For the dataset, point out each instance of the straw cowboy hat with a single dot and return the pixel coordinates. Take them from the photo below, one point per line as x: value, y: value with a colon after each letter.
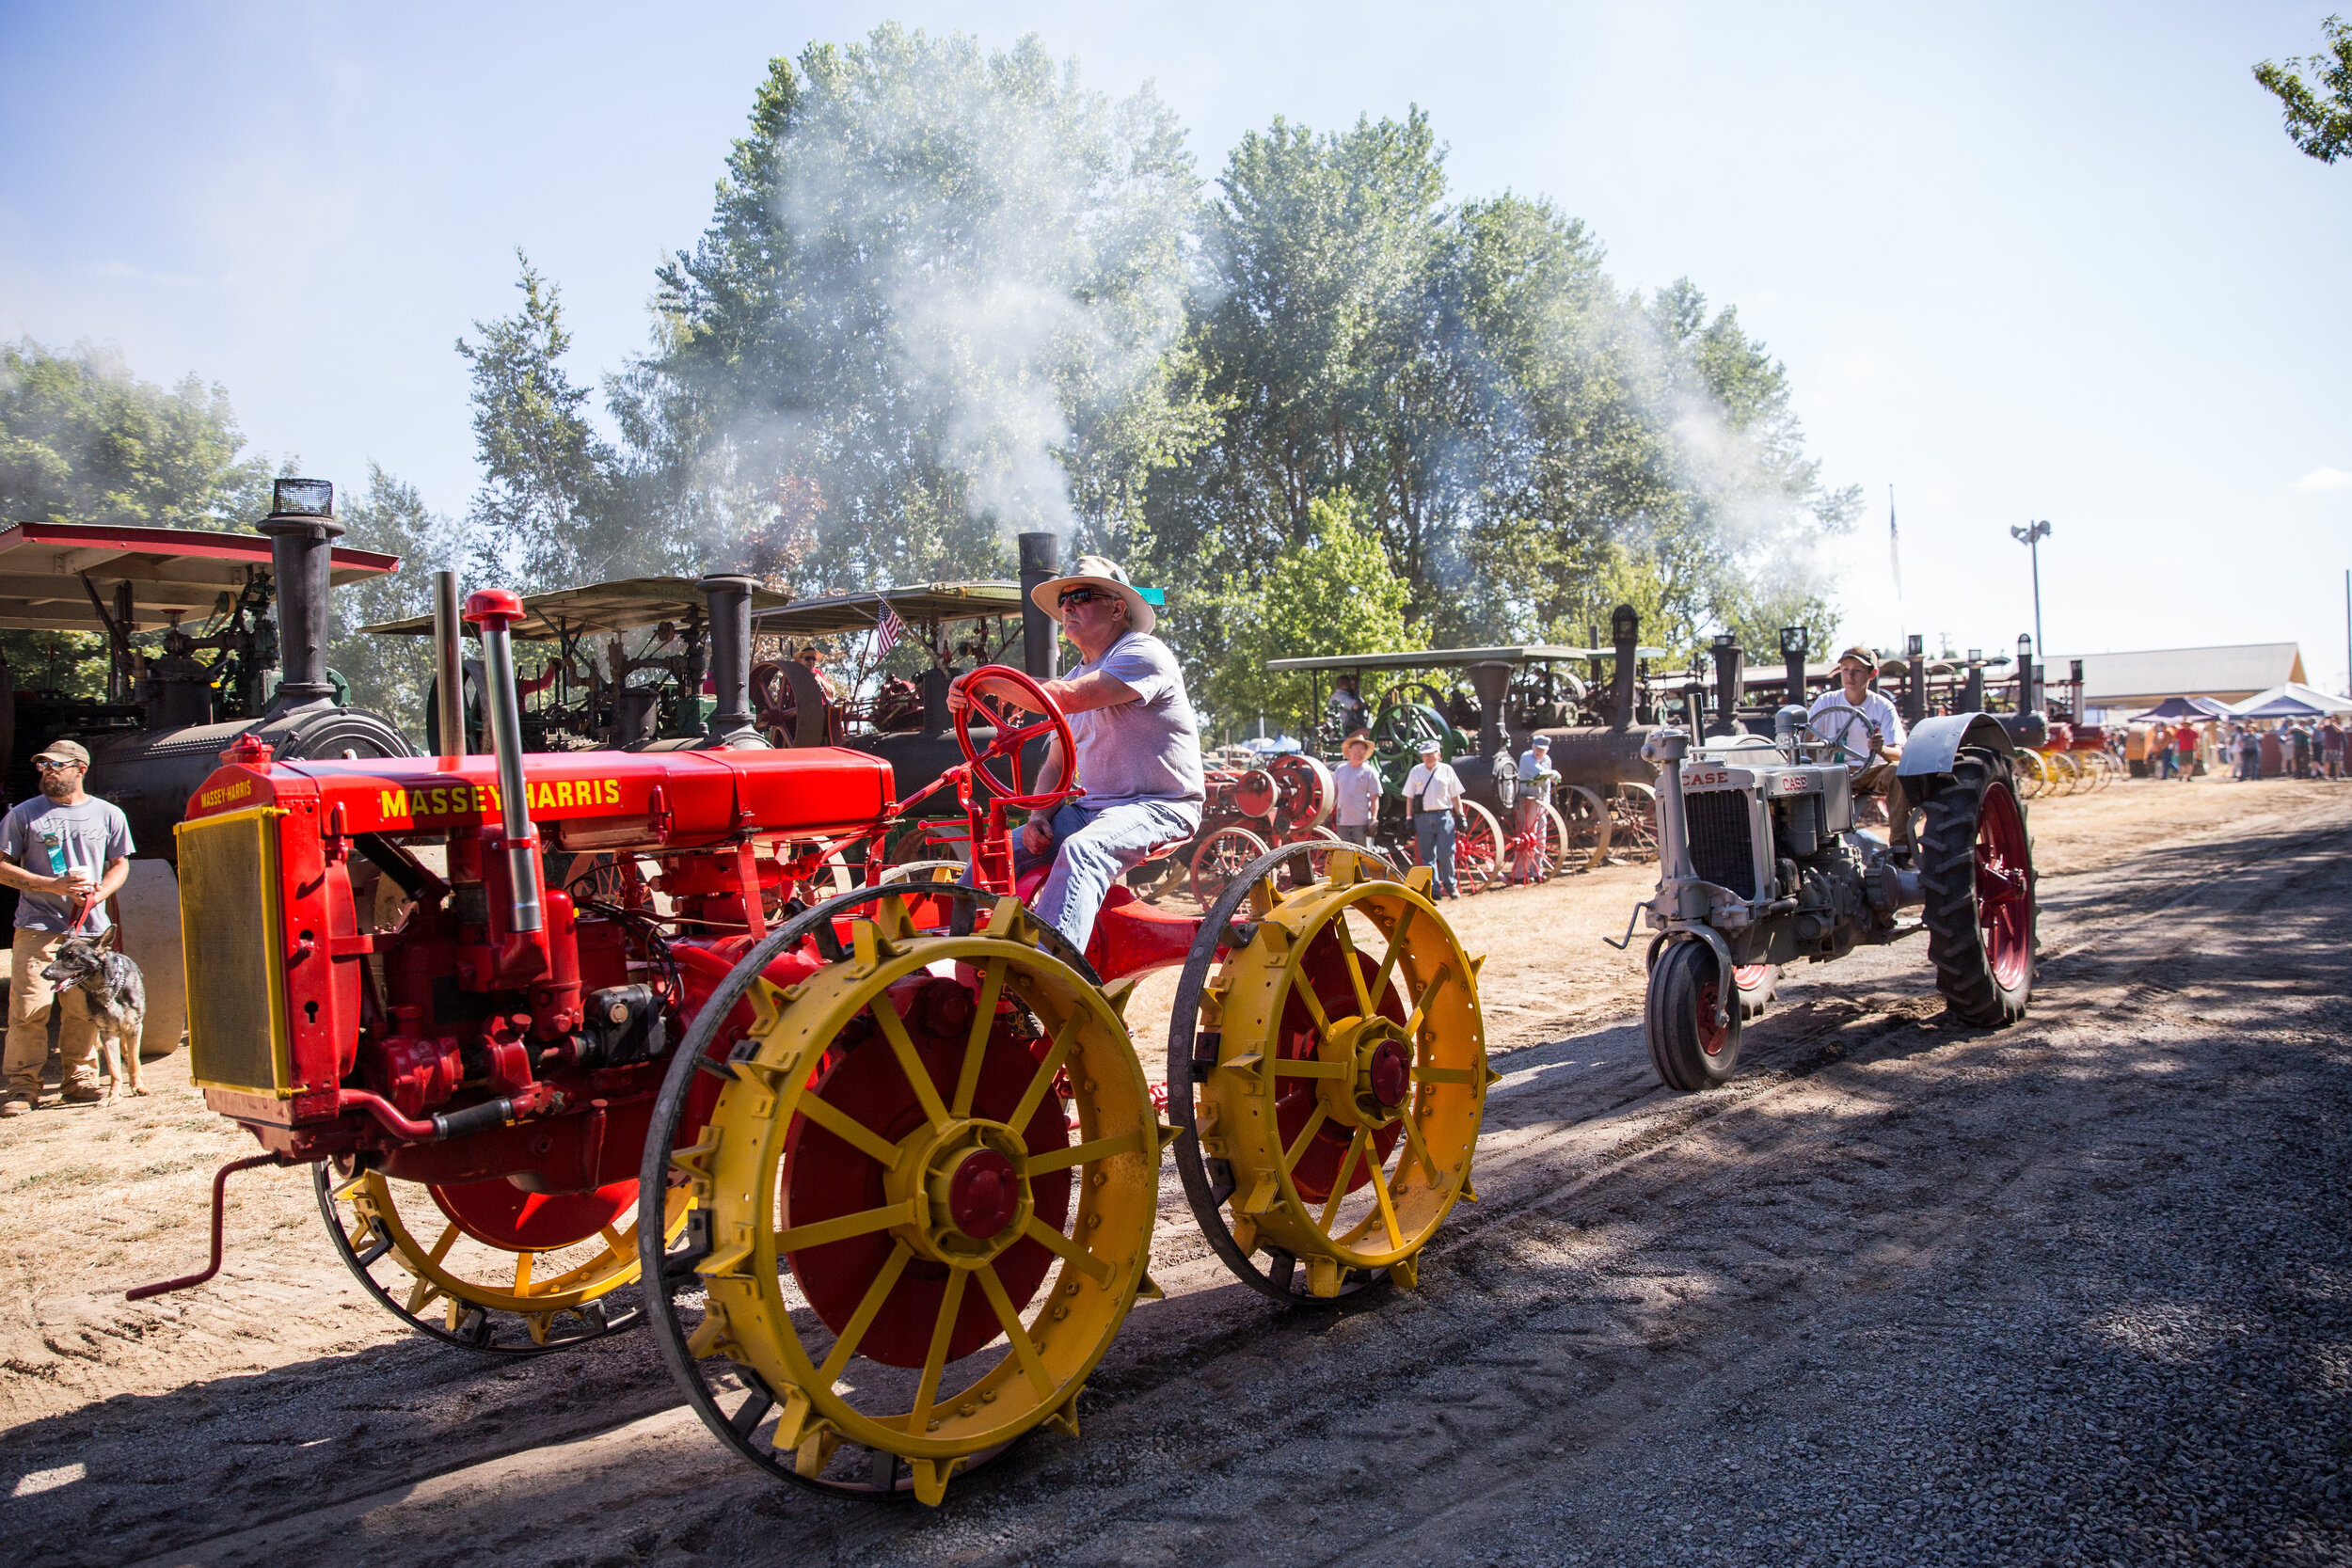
x: 1095, y: 571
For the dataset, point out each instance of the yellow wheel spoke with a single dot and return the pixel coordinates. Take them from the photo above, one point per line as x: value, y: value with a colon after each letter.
x: 1309, y: 1066
x: 1044, y: 1078
x: 1305, y: 991
x: 1421, y: 1004
x: 851, y: 1131
x: 1083, y: 1154
x: 1355, y: 970
x: 1387, y: 959
x: 440, y: 1248
x: 967, y: 1081
x: 894, y: 1029
x: 865, y: 1222
x: 613, y: 1238
x: 863, y: 1319
x: 522, y: 1272
x: 1024, y: 1348
x: 943, y: 1329
x: 1080, y: 1259
x: 1298, y: 1150
x: 1387, y: 1208
x: 1441, y: 1075
x: 1339, y: 1183
x: 1417, y: 1149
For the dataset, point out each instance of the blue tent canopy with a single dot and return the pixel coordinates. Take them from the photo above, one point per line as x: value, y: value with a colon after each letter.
x: 2283, y: 706
x: 2186, y: 707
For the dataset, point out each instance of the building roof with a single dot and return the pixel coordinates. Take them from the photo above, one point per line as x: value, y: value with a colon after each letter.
x: 623, y: 605
x: 916, y: 603
x: 2144, y: 678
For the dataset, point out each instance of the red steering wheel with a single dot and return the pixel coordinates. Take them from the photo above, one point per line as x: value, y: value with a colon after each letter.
x: 996, y: 692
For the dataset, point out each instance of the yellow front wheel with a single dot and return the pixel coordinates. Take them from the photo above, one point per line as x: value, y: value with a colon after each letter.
x: 930, y: 1184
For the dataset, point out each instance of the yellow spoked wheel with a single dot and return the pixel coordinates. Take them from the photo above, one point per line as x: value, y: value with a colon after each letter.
x: 1338, y: 1064
x: 929, y: 1187
x: 484, y: 1265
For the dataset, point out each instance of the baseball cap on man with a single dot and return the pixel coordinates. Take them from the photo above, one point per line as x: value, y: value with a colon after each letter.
x: 1427, y: 747
x: 1542, y: 743
x: 1865, y: 655
x: 63, y: 750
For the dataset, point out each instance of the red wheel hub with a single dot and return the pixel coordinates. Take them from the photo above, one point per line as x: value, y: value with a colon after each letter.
x: 1324, y: 967
x: 1392, y: 1072
x: 2004, y: 886
x: 824, y: 1176
x: 984, y: 1193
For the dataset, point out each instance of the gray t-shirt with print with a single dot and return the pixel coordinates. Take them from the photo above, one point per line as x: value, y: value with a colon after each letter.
x: 49, y: 839
x: 1147, y: 750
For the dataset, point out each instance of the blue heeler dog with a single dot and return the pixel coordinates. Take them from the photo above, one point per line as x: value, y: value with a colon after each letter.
x: 115, y: 992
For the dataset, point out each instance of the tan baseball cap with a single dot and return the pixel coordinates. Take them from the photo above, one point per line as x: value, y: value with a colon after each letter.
x: 1865, y: 655
x: 63, y: 750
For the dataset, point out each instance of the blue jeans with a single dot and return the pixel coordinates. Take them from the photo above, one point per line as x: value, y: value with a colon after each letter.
x: 1433, y: 836
x: 1092, y: 848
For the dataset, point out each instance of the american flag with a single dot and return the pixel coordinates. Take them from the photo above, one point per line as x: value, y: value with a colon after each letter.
x: 888, y: 632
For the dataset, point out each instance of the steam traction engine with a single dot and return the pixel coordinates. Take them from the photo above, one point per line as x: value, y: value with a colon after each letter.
x: 882, y: 1173
x: 1761, y: 865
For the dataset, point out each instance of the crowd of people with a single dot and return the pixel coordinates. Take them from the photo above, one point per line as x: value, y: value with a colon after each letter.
x: 2291, y: 749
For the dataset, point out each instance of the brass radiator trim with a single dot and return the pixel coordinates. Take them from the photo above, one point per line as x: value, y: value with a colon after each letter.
x: 219, y: 970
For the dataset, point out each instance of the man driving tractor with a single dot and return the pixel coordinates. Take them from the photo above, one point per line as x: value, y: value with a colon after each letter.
x: 1138, y: 744
x: 1871, y: 745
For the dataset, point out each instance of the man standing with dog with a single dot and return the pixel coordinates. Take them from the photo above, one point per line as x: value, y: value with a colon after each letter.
x: 65, y: 852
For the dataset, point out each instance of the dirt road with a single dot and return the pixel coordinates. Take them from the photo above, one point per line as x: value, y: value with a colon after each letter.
x: 1905, y: 1291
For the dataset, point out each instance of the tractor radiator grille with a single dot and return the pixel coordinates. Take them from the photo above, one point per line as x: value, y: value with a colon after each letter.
x: 1722, y: 851
x: 229, y: 932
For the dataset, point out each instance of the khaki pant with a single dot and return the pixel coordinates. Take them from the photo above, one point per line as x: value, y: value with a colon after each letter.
x: 1878, y: 777
x: 29, y: 1000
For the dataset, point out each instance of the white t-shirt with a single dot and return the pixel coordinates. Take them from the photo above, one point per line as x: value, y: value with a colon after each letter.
x: 1355, y: 793
x: 1433, y: 789
x: 1886, y: 724
x: 1147, y: 750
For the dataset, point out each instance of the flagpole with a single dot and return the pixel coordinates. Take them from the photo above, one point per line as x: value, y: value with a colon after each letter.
x: 1895, y: 555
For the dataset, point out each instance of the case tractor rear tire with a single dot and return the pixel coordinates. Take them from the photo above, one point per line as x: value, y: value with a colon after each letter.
x: 1976, y: 868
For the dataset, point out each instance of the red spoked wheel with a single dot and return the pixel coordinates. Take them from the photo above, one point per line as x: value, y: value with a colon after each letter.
x: 996, y: 693
x: 1975, y: 875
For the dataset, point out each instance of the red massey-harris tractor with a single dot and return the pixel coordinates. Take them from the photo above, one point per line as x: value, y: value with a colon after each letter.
x: 879, y: 1173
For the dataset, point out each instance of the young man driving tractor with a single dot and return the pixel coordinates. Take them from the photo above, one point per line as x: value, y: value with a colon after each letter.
x: 1871, y: 745
x: 1137, y: 740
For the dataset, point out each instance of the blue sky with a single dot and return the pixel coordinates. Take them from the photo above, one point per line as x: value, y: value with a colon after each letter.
x: 2020, y: 261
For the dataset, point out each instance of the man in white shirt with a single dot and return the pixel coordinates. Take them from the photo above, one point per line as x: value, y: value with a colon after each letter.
x: 1137, y: 740
x: 1871, y: 743
x: 1355, y: 791
x: 1432, y: 790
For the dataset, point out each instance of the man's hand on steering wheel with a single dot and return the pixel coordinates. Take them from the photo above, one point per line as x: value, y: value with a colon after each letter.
x: 960, y: 694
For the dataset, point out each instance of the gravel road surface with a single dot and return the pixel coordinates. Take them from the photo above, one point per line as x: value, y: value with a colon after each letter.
x: 2078, y: 1291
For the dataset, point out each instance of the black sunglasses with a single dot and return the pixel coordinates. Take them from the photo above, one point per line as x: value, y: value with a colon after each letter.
x: 1082, y: 595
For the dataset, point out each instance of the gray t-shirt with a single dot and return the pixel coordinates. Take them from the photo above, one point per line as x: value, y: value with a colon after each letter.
x: 1147, y: 750
x: 49, y: 839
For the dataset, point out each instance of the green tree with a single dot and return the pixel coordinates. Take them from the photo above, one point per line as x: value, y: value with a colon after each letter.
x: 940, y: 289
x: 549, y: 512
x: 1332, y: 593
x: 389, y: 674
x: 2318, y: 117
x: 83, y: 440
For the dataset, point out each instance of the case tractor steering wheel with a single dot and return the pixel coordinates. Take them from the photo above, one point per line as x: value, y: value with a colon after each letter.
x: 1833, y: 726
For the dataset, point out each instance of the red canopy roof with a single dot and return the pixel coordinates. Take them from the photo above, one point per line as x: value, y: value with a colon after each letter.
x: 43, y: 567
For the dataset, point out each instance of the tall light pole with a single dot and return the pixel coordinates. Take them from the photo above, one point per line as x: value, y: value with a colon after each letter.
x: 2031, y: 536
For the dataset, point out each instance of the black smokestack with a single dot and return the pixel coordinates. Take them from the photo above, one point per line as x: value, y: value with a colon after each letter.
x: 1040, y: 561
x: 302, y: 532
x: 1916, y: 684
x: 1625, y: 627
x: 729, y: 597
x: 1491, y: 680
x: 1795, y: 643
x: 1728, y: 674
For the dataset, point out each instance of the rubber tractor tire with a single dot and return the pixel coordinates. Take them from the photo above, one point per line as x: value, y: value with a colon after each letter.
x: 1976, y: 869
x: 1688, y: 1048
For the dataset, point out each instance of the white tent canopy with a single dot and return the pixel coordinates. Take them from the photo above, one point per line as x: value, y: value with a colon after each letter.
x: 2299, y: 692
